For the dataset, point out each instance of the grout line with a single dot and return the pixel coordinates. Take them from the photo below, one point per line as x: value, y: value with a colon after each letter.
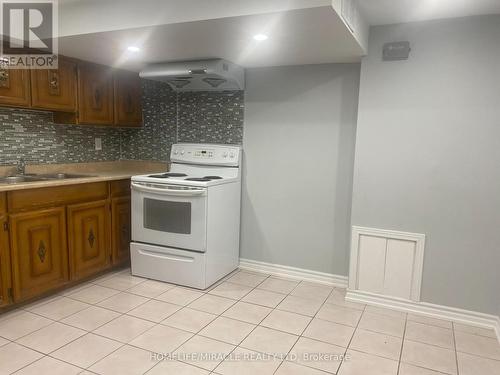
x: 402, y: 344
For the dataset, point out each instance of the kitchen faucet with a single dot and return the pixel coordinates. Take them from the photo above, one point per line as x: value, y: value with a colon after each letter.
x: 21, y: 167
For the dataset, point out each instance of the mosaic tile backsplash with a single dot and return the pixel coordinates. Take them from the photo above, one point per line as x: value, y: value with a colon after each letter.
x: 211, y: 117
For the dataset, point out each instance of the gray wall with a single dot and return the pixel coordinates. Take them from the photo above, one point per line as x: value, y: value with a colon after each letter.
x: 428, y: 153
x: 300, y: 125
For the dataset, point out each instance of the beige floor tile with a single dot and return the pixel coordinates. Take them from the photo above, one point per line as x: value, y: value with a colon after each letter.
x: 179, y: 296
x: 60, y: 308
x: 477, y: 345
x: 312, y: 291
x: 212, y: 304
x: 274, y: 284
x: 189, y: 319
x: 48, y: 365
x: 41, y: 302
x: 286, y: 321
x: 246, y: 362
x: 14, y: 356
x: 430, y: 357
x: 121, y: 282
x: 176, y: 368
x: 122, y: 302
x: 90, y: 318
x: 203, y: 352
x: 154, y: 310
x: 406, y: 369
x: 433, y: 335
x: 11, y: 314
x: 290, y: 368
x: 247, y: 312
x: 384, y: 311
x: 150, y: 288
x: 377, y: 344
x: 317, y: 354
x: 247, y: 278
x: 19, y: 325
x: 487, y: 332
x: 300, y: 305
x: 357, y: 363
x: 50, y: 338
x: 86, y: 350
x: 227, y: 330
x: 125, y: 361
x: 75, y: 289
x: 382, y: 324
x: 93, y: 294
x: 125, y: 328
x: 266, y: 340
x: 429, y: 321
x: 264, y: 298
x: 337, y: 297
x: 332, y: 333
x: 473, y: 365
x: 3, y: 341
x: 231, y: 290
x: 161, y: 339
x: 338, y: 314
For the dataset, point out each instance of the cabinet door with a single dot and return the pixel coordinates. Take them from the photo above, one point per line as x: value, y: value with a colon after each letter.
x: 4, y: 263
x: 128, y: 99
x: 55, y: 89
x: 88, y: 228
x: 14, y: 87
x: 121, y: 229
x: 95, y: 94
x: 39, y: 252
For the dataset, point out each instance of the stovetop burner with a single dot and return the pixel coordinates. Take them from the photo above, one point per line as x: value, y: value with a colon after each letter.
x: 200, y: 179
x: 167, y: 175
x: 213, y: 177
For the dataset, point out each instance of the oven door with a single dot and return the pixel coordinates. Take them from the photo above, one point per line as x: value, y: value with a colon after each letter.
x: 169, y: 215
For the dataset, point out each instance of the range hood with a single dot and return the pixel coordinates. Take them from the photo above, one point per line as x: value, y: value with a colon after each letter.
x: 202, y: 75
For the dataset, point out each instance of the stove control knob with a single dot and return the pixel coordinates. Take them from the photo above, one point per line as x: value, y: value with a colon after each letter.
x: 176, y: 152
x: 182, y: 152
x: 231, y: 155
x: 224, y: 155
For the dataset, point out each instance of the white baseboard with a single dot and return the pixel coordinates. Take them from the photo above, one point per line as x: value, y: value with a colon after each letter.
x: 294, y: 273
x: 427, y: 309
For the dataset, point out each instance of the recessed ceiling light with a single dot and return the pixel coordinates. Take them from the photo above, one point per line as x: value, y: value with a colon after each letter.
x: 133, y: 49
x: 260, y: 37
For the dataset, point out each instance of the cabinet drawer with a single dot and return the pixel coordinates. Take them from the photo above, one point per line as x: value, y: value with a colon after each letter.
x: 56, y: 196
x: 120, y: 188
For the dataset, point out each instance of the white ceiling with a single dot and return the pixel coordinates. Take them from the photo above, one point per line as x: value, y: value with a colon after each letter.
x: 296, y: 37
x: 382, y: 12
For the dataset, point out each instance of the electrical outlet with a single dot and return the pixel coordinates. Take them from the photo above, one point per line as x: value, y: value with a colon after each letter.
x: 98, y: 144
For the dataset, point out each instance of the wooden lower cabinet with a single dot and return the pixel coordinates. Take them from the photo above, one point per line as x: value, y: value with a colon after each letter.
x: 39, y: 253
x: 89, y: 242
x: 121, y: 229
x: 5, y: 279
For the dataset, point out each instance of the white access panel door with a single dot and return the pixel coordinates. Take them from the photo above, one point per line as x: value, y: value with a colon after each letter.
x: 399, y: 261
x: 387, y: 263
x: 371, y: 265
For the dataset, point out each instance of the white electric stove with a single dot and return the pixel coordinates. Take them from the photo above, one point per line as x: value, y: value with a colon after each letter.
x: 186, y: 222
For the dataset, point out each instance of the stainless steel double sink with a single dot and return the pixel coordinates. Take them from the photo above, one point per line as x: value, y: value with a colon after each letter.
x: 19, y: 179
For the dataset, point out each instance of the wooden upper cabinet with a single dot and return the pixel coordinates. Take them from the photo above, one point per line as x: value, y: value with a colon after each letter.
x: 14, y: 87
x: 55, y: 89
x: 38, y: 252
x: 4, y: 262
x: 128, y: 98
x: 95, y: 94
x: 89, y: 244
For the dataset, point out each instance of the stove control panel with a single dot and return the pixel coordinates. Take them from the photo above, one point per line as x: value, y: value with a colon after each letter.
x: 206, y: 154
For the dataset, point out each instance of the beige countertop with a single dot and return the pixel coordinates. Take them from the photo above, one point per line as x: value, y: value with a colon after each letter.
x: 96, y: 172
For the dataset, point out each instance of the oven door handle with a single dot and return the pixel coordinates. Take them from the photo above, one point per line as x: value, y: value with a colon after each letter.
x: 168, y: 191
